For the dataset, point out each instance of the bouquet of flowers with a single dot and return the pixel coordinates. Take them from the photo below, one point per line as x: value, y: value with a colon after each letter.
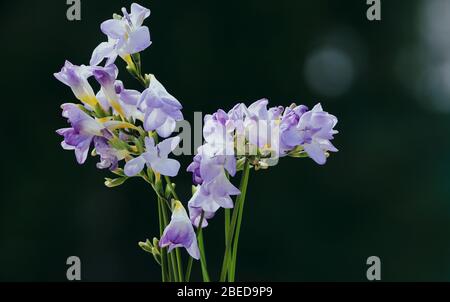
x: 131, y: 132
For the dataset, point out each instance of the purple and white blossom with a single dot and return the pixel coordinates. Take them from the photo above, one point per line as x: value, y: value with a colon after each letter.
x: 180, y: 233
x: 313, y: 131
x: 162, y: 110
x: 76, y: 77
x: 214, y: 194
x: 109, y: 157
x: 195, y: 214
x: 81, y: 133
x: 156, y: 158
x: 126, y: 36
x: 213, y: 160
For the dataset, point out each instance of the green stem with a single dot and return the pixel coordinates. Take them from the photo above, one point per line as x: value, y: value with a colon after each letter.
x: 203, y: 265
x: 227, y: 224
x: 172, y: 256
x: 228, y: 246
x: 163, y: 250
x: 191, y: 260
x: 180, y: 265
x: 244, y: 184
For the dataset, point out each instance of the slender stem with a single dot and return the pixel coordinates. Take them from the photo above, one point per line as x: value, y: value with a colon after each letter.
x: 203, y: 265
x: 173, y: 260
x: 244, y: 184
x: 228, y: 246
x: 191, y: 260
x: 227, y: 224
x: 163, y: 250
x: 180, y: 265
x: 172, y: 256
x: 188, y: 269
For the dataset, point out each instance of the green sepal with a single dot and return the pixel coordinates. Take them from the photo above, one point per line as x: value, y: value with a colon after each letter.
x: 119, y: 172
x: 115, y: 182
x: 240, y: 164
x: 118, y: 144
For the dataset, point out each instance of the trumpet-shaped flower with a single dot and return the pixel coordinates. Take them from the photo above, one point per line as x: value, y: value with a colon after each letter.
x: 106, y: 77
x: 313, y: 132
x: 126, y: 36
x: 214, y: 194
x: 162, y: 110
x: 180, y: 233
x: 76, y: 77
x: 80, y: 135
x: 195, y: 215
x: 128, y: 100
x: 156, y: 158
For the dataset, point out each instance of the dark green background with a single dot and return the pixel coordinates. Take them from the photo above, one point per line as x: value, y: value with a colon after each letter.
x: 386, y: 193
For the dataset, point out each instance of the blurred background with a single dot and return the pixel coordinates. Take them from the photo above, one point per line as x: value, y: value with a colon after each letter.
x: 386, y: 193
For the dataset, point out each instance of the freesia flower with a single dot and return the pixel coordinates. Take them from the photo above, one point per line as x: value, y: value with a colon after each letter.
x: 156, y: 158
x: 128, y: 100
x: 162, y: 110
x: 313, y: 132
x: 126, y: 36
x: 212, y: 195
x: 76, y: 77
x: 180, y: 233
x: 109, y: 157
x: 106, y: 77
x: 195, y: 214
x: 80, y: 135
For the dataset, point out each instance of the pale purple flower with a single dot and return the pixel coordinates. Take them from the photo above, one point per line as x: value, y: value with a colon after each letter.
x: 162, y: 110
x: 156, y: 158
x: 289, y: 122
x: 109, y: 157
x: 128, y: 100
x: 180, y: 233
x: 194, y: 167
x: 262, y: 125
x: 313, y: 132
x: 214, y: 194
x: 80, y: 135
x: 218, y: 132
x: 195, y: 214
x: 126, y: 36
x: 76, y: 77
x: 106, y: 77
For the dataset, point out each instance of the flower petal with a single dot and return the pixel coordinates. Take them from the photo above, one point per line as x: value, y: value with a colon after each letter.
x: 134, y: 166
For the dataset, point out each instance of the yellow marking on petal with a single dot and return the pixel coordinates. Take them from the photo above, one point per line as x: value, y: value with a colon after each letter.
x: 178, y: 205
x: 104, y: 119
x: 90, y: 100
x: 117, y: 107
x: 113, y: 125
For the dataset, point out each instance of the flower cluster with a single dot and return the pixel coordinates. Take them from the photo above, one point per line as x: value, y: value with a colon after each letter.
x: 258, y: 134
x: 116, y: 120
x: 131, y: 131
